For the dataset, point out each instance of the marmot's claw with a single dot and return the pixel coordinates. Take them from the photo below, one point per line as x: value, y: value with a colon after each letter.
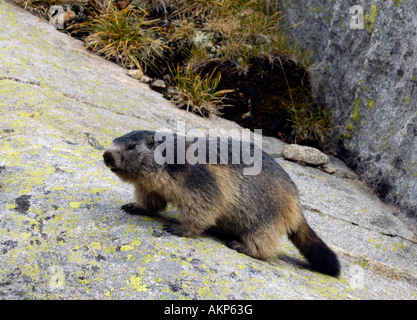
x: 128, y: 207
x: 131, y: 208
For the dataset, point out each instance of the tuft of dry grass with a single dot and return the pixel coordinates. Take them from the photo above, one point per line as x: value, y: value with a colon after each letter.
x: 309, y: 124
x: 247, y: 29
x: 126, y: 36
x: 198, y: 92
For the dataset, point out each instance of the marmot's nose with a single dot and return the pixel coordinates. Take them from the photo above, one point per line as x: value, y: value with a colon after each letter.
x: 108, y: 159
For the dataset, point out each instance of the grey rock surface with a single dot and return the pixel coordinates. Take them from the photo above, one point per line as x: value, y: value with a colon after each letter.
x: 367, y: 77
x: 273, y: 146
x: 63, y: 235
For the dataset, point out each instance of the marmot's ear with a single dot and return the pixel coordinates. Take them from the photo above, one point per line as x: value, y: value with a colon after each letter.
x: 150, y: 140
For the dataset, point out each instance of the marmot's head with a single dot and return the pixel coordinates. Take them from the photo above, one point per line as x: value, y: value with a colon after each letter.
x: 132, y: 155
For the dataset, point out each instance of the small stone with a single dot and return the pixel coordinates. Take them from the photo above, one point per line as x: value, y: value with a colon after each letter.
x: 145, y: 79
x: 135, y: 73
x: 59, y: 16
x: 328, y: 168
x: 158, y: 85
x: 170, y: 92
x: 306, y: 155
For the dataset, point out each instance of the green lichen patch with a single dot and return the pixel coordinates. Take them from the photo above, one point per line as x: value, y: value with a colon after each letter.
x: 355, y: 116
x: 369, y: 18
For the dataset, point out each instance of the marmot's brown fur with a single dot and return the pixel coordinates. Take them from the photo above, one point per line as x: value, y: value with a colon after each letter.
x: 257, y: 210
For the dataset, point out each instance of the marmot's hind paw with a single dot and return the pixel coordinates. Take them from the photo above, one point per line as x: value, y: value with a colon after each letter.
x: 178, y: 230
x: 236, y: 245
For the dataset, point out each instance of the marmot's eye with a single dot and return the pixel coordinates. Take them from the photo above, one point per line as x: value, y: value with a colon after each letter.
x: 130, y: 147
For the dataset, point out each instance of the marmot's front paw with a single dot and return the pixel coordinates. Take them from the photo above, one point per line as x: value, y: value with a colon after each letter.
x: 132, y: 208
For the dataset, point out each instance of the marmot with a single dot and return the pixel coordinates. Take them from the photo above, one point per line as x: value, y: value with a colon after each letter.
x: 255, y: 209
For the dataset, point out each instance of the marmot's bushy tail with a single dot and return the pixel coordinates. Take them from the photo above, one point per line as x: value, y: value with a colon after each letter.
x: 320, y: 256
